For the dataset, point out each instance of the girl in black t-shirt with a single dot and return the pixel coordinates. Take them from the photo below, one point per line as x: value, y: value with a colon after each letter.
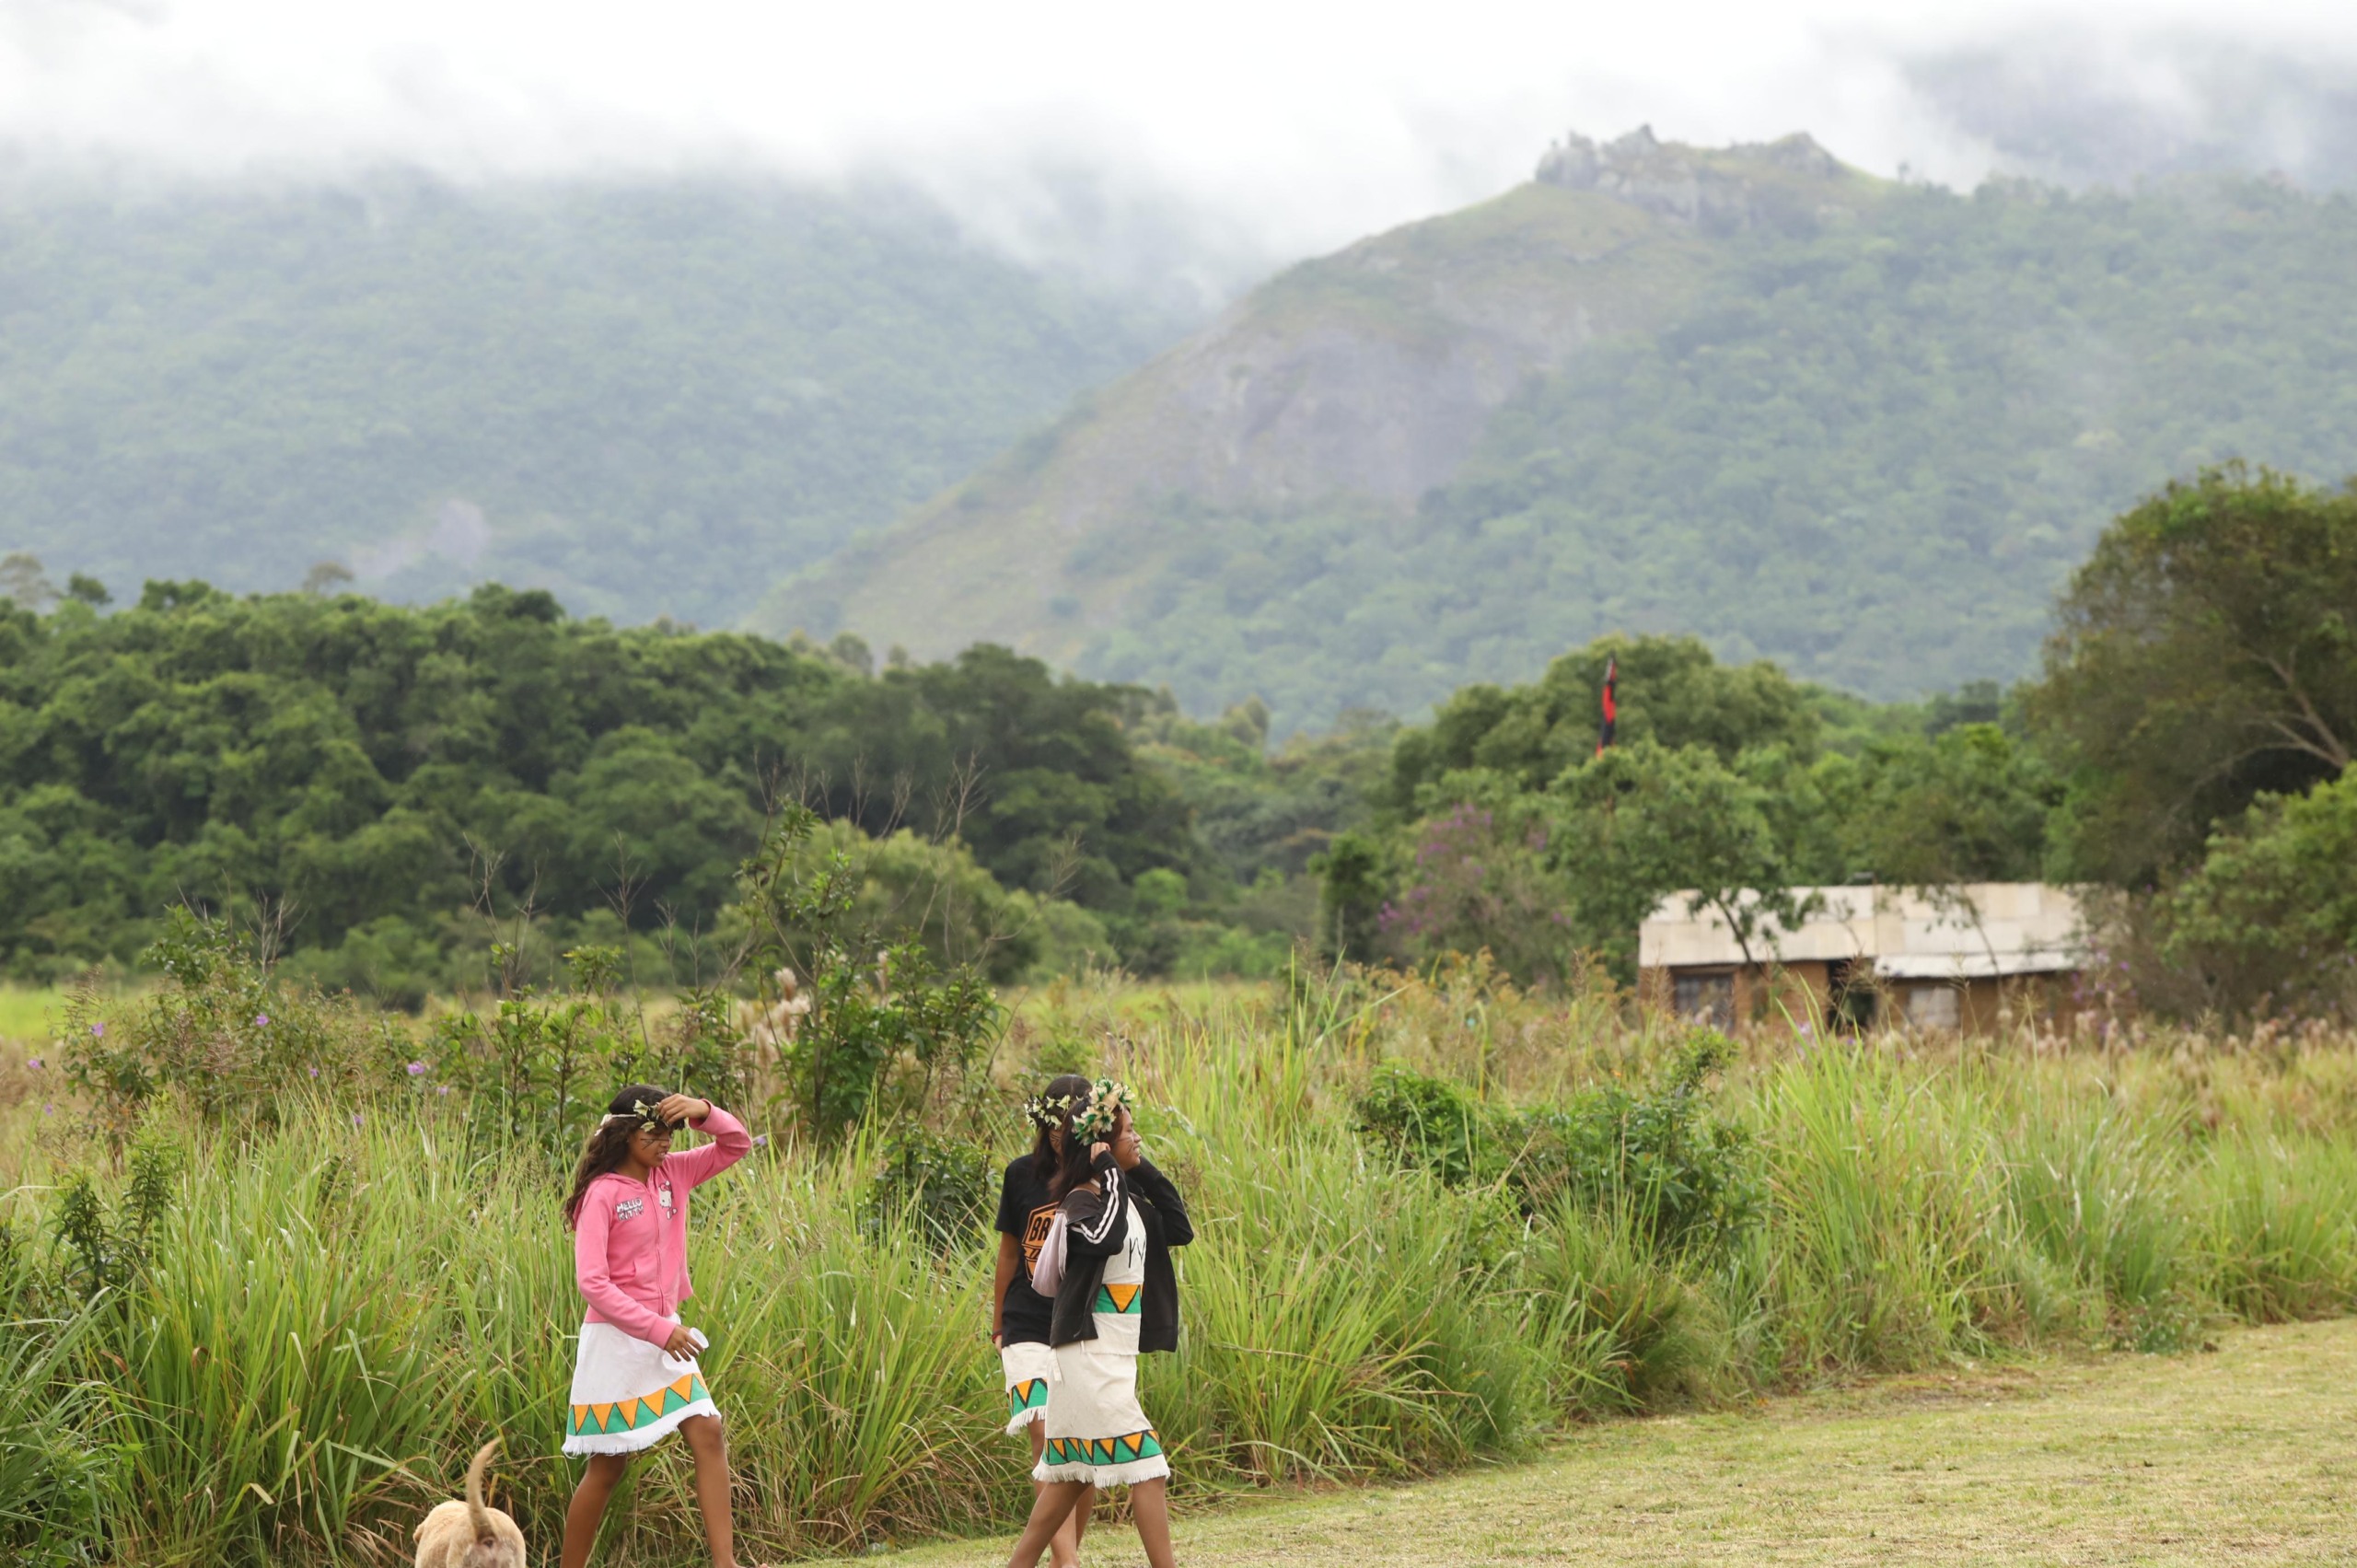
x: 1019, y: 1315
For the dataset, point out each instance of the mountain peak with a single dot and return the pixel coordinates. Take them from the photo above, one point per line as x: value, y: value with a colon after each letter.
x: 1779, y: 184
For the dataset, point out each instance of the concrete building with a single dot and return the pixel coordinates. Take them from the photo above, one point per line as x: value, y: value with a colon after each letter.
x: 1938, y: 958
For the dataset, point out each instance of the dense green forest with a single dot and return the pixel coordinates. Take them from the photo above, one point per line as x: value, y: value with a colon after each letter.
x: 388, y: 791
x: 1870, y: 445
x: 650, y: 400
x: 396, y: 787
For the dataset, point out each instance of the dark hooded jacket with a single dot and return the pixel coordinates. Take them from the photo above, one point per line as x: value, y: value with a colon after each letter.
x: 1095, y: 1223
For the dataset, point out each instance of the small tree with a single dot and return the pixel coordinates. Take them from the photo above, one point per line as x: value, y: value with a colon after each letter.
x: 2206, y: 654
x: 2270, y: 920
x: 23, y: 580
x: 1642, y: 822
x: 887, y: 1016
x: 1478, y: 882
x: 1351, y: 896
x: 326, y: 577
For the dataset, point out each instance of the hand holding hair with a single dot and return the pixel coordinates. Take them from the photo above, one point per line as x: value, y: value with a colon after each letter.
x: 676, y: 1109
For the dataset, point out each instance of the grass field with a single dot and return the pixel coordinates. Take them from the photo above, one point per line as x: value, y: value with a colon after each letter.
x: 29, y: 1015
x: 2245, y: 1456
x: 270, y: 1326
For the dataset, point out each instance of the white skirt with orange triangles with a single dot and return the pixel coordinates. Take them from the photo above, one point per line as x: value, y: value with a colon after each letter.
x: 1028, y: 1368
x: 629, y: 1395
x: 1097, y: 1432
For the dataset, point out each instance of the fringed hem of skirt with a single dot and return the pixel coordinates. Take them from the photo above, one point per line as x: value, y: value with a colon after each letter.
x: 1022, y: 1422
x: 1130, y: 1474
x: 639, y: 1438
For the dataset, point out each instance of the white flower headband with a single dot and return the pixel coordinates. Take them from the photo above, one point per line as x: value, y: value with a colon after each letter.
x: 639, y: 1111
x: 1107, y: 1097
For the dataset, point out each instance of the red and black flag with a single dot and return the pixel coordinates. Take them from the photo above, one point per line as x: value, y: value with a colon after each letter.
x: 1611, y: 703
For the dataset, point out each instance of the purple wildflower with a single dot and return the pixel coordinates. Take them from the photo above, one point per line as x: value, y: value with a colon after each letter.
x: 356, y: 1119
x: 760, y: 1140
x: 442, y: 1089
x: 416, y: 1069
x: 262, y: 1020
x: 33, y: 1063
x: 99, y: 1031
x: 315, y: 1072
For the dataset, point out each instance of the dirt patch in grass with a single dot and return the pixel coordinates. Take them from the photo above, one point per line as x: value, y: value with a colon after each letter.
x: 2244, y: 1456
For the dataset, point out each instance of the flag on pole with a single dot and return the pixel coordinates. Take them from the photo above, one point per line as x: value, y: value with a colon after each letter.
x: 1611, y: 703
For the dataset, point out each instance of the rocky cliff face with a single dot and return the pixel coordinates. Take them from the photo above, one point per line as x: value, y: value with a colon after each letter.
x: 1777, y: 184
x: 1364, y: 378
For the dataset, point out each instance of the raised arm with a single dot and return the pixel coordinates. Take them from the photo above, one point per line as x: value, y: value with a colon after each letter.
x: 1095, y: 1223
x: 1148, y: 1182
x: 729, y: 1143
x: 597, y: 1287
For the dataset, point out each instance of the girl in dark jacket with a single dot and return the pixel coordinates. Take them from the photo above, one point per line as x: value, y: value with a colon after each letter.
x: 1119, y: 1300
x: 1021, y: 1317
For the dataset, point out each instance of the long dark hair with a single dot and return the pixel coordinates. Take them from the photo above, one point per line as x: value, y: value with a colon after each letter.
x: 608, y: 1142
x: 1047, y: 1122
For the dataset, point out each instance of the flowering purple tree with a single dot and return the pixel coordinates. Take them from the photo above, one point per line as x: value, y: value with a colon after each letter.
x: 1478, y: 881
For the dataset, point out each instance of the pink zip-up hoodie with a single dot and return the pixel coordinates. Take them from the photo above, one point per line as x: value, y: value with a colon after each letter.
x: 630, y: 1244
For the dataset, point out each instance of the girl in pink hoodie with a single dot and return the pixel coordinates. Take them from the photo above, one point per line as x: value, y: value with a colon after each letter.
x: 635, y: 1377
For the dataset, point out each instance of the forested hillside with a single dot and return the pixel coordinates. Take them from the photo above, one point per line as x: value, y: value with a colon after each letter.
x: 651, y: 400
x: 1863, y: 428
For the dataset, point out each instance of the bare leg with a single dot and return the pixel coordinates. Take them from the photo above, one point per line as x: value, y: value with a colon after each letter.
x: 1150, y: 1502
x: 587, y: 1509
x: 1048, y: 1512
x: 1063, y: 1550
x: 1080, y: 1514
x: 708, y: 1443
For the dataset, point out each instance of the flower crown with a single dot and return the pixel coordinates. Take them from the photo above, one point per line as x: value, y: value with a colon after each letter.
x: 1107, y: 1097
x: 639, y: 1112
x: 1047, y: 1110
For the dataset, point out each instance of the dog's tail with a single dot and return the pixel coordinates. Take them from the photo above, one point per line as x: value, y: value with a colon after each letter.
x: 477, y: 1516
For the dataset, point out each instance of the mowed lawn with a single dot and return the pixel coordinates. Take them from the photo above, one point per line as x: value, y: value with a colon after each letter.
x: 2247, y: 1454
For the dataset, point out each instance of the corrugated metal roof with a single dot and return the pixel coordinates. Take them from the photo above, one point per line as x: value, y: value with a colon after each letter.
x: 1979, y: 927
x: 1971, y: 965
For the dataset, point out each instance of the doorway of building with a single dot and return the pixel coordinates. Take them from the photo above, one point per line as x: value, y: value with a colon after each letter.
x: 1852, y: 983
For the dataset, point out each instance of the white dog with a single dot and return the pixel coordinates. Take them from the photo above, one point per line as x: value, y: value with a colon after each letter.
x: 468, y: 1534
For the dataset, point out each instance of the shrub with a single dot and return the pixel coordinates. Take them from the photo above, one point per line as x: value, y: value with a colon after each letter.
x: 941, y: 1187
x: 1427, y: 1123
x: 538, y: 1069
x: 888, y: 1018
x: 1685, y: 1180
x: 221, y: 1031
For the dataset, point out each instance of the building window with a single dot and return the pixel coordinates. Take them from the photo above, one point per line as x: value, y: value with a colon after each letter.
x: 1932, y: 1006
x: 1705, y: 998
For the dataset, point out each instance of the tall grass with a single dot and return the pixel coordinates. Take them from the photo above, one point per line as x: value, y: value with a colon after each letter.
x: 339, y: 1309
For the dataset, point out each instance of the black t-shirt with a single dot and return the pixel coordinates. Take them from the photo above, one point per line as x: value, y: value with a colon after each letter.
x: 1024, y: 1213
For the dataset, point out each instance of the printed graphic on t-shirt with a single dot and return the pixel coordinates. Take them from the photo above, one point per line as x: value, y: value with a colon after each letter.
x: 1035, y: 1234
x: 630, y: 1208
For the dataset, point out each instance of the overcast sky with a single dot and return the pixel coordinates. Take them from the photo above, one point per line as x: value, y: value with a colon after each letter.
x: 1276, y: 127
